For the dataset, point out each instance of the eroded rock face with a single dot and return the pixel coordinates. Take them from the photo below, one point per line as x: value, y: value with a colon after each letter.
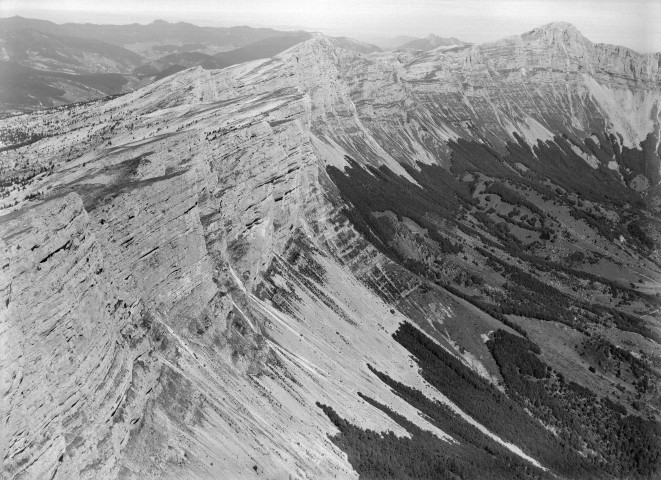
x: 551, y: 80
x: 77, y: 351
x: 181, y: 289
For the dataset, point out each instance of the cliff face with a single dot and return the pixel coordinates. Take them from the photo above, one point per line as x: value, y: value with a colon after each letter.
x: 556, y: 77
x: 135, y: 345
x: 71, y: 341
x: 551, y: 80
x: 179, y: 286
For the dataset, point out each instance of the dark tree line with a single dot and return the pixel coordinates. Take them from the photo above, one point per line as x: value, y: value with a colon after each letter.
x: 626, y: 445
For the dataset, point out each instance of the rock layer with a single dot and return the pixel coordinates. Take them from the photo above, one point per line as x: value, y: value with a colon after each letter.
x: 184, y: 288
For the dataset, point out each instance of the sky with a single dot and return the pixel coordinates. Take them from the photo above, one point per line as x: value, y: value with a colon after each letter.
x: 631, y: 23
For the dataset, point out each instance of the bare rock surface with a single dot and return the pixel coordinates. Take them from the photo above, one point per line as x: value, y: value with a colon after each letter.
x: 177, y: 288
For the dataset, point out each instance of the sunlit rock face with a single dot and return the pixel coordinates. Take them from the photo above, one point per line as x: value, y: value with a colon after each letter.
x: 179, y: 285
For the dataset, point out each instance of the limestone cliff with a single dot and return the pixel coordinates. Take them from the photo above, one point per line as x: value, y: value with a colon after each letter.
x: 179, y: 285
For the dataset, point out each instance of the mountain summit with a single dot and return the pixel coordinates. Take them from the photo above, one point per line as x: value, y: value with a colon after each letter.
x: 558, y: 34
x: 433, y: 41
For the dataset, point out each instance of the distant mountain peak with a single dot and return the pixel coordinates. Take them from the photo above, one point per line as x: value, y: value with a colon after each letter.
x: 353, y: 44
x: 433, y: 36
x: 558, y: 26
x: 555, y: 30
x: 432, y: 41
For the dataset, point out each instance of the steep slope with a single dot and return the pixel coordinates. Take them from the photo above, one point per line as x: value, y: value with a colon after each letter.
x: 551, y: 80
x: 243, y: 271
x: 193, y: 333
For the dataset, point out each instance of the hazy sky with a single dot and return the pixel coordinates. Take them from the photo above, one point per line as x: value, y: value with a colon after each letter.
x: 633, y: 23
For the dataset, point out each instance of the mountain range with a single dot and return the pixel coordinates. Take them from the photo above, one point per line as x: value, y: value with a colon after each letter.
x: 339, y: 262
x: 43, y: 64
x: 46, y: 64
x: 431, y: 42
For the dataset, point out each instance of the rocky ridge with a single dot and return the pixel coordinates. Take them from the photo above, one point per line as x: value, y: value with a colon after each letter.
x: 181, y: 287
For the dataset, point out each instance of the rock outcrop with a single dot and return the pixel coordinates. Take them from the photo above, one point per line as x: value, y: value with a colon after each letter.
x: 179, y: 286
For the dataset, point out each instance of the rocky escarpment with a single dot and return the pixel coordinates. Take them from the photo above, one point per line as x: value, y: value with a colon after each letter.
x: 548, y: 81
x: 77, y: 351
x: 131, y: 279
x: 181, y: 283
